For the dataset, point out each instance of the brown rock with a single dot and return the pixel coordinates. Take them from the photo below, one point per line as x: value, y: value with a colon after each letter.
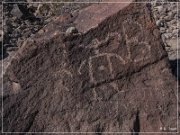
x: 113, y: 76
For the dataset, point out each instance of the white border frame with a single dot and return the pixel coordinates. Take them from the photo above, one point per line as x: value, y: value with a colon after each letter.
x: 94, y: 132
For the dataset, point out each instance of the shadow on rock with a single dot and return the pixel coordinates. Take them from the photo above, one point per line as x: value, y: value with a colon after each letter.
x: 174, y: 66
x: 3, y: 52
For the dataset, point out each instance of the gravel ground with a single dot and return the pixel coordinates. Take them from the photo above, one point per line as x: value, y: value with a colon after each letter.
x: 167, y: 16
x: 18, y: 27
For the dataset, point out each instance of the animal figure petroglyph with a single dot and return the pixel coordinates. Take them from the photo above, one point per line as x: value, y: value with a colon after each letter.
x: 142, y: 46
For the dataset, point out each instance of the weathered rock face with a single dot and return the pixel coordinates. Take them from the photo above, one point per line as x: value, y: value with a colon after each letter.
x: 110, y: 76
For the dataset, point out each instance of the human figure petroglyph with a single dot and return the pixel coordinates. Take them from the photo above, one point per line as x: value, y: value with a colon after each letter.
x: 131, y: 43
x: 95, y: 45
x: 134, y: 40
x: 144, y: 47
x: 132, y: 24
x: 108, y: 57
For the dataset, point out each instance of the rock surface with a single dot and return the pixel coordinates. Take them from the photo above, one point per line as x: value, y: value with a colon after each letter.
x: 16, y: 30
x: 112, y: 76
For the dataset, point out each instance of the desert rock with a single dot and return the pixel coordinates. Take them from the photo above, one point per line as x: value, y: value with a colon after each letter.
x: 112, y: 77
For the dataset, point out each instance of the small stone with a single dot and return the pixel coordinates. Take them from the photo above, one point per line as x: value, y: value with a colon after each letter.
x: 168, y: 30
x: 161, y: 17
x: 162, y: 30
x: 163, y: 38
x: 168, y: 35
x: 159, y: 23
x: 71, y: 30
x: 176, y: 31
x: 173, y: 21
x: 167, y: 18
x: 171, y: 14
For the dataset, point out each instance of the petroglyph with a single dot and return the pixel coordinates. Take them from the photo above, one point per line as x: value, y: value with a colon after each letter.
x: 143, y: 47
x: 132, y: 42
x: 106, y: 57
x: 128, y: 26
x: 94, y: 94
x: 106, y: 69
x: 144, y: 52
x: 114, y: 34
x: 81, y: 65
x: 96, y: 86
x: 115, y: 86
x: 96, y: 44
x: 62, y: 75
x: 64, y: 71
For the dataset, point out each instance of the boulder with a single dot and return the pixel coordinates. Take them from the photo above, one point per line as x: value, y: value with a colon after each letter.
x: 111, y: 75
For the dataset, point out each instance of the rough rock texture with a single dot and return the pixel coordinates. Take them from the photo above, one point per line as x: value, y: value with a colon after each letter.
x: 167, y: 16
x: 167, y: 19
x: 18, y: 25
x: 112, y: 76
